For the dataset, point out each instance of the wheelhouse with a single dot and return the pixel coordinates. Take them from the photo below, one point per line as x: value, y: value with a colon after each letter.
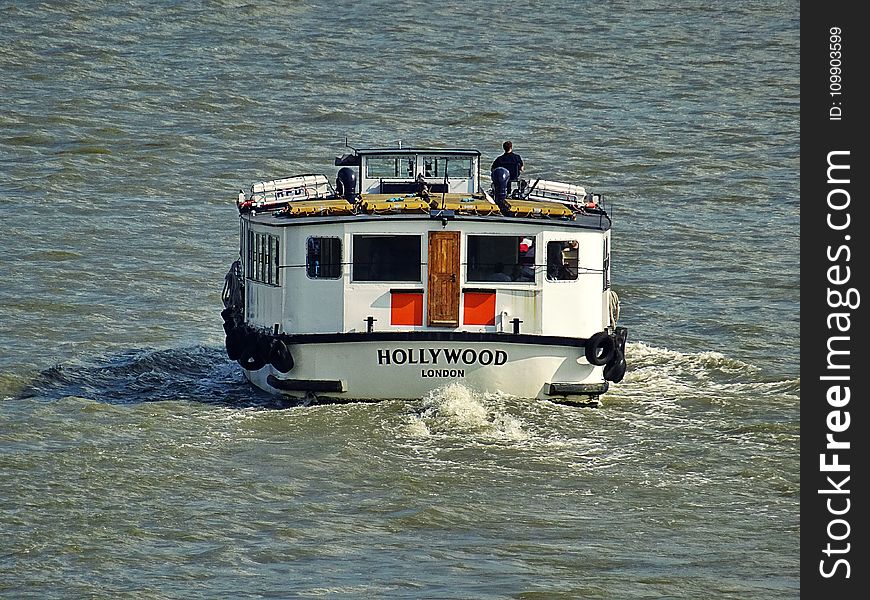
x: 399, y: 170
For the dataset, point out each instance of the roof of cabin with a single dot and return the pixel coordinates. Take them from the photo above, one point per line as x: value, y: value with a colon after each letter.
x: 417, y: 150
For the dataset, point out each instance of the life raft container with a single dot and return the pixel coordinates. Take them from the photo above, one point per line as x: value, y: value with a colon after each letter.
x: 287, y: 189
x: 556, y: 190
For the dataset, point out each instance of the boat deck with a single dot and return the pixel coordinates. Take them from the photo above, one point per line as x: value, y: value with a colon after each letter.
x: 428, y: 206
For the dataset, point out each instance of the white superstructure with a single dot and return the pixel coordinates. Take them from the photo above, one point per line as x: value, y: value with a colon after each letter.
x: 406, y: 275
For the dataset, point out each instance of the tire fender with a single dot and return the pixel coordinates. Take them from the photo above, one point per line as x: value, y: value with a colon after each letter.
x: 280, y: 357
x: 251, y: 358
x: 600, y: 349
x: 615, y: 369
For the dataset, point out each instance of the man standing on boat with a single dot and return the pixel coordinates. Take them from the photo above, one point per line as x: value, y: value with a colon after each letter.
x: 509, y: 160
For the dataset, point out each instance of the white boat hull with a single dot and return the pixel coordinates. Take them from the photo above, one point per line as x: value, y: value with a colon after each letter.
x: 409, y: 369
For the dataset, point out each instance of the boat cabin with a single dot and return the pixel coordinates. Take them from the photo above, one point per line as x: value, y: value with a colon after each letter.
x: 408, y: 247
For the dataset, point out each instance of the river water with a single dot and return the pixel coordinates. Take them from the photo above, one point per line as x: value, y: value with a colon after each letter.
x: 135, y: 461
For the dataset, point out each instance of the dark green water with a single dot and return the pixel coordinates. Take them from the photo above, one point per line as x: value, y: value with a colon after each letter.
x: 136, y: 462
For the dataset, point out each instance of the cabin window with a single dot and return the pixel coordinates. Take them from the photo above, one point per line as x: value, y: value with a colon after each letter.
x: 453, y: 166
x: 390, y: 167
x: 606, y: 264
x: 263, y: 258
x: 386, y: 258
x: 323, y: 258
x: 501, y: 258
x: 562, y: 260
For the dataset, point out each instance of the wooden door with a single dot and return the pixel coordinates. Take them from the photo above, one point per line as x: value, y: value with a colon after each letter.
x: 444, y: 275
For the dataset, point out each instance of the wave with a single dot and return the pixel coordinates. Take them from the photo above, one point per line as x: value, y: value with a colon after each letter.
x: 648, y: 361
x: 199, y: 373
x: 661, y: 375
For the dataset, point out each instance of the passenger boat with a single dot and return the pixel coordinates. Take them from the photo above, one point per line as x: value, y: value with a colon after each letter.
x: 406, y: 275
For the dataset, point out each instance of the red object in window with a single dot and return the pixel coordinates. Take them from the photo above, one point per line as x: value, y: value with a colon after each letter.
x: 479, y: 308
x: 406, y: 309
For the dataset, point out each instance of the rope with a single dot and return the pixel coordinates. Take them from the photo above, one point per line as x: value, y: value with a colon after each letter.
x: 613, y: 307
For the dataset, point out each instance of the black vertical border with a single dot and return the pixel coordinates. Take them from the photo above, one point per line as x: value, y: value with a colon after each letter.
x: 820, y: 135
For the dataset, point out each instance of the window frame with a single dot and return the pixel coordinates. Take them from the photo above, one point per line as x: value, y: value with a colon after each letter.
x: 438, y: 161
x: 355, y: 257
x: 263, y: 258
x: 517, y: 266
x: 575, y: 269
x: 340, y: 264
x: 408, y: 159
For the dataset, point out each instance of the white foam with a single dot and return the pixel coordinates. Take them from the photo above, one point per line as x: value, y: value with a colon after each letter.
x: 456, y: 408
x: 417, y: 428
x: 455, y: 404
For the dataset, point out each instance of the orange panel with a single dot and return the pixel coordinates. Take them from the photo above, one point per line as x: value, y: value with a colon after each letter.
x: 479, y: 308
x: 406, y: 309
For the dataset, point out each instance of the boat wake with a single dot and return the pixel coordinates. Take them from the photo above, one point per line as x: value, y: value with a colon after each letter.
x: 203, y: 374
x: 199, y: 373
x: 455, y: 408
x: 660, y: 383
x: 660, y: 373
x: 648, y: 361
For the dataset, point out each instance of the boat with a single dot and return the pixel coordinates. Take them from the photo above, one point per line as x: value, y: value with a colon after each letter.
x: 408, y: 272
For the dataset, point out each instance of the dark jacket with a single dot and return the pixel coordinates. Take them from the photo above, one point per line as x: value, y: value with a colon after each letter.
x: 511, y: 161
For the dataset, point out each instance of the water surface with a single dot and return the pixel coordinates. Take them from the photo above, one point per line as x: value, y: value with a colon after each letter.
x: 136, y: 462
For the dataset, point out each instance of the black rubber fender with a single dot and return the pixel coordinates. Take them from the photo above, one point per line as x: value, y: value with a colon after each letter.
x: 253, y: 353
x: 615, y: 369
x: 235, y: 343
x: 232, y: 318
x: 600, y: 349
x: 280, y: 357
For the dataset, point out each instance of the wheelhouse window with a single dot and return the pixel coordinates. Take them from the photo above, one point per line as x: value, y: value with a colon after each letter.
x: 390, y: 167
x: 386, y: 258
x: 263, y: 258
x: 562, y: 260
x: 501, y: 258
x: 452, y: 166
x: 323, y: 258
